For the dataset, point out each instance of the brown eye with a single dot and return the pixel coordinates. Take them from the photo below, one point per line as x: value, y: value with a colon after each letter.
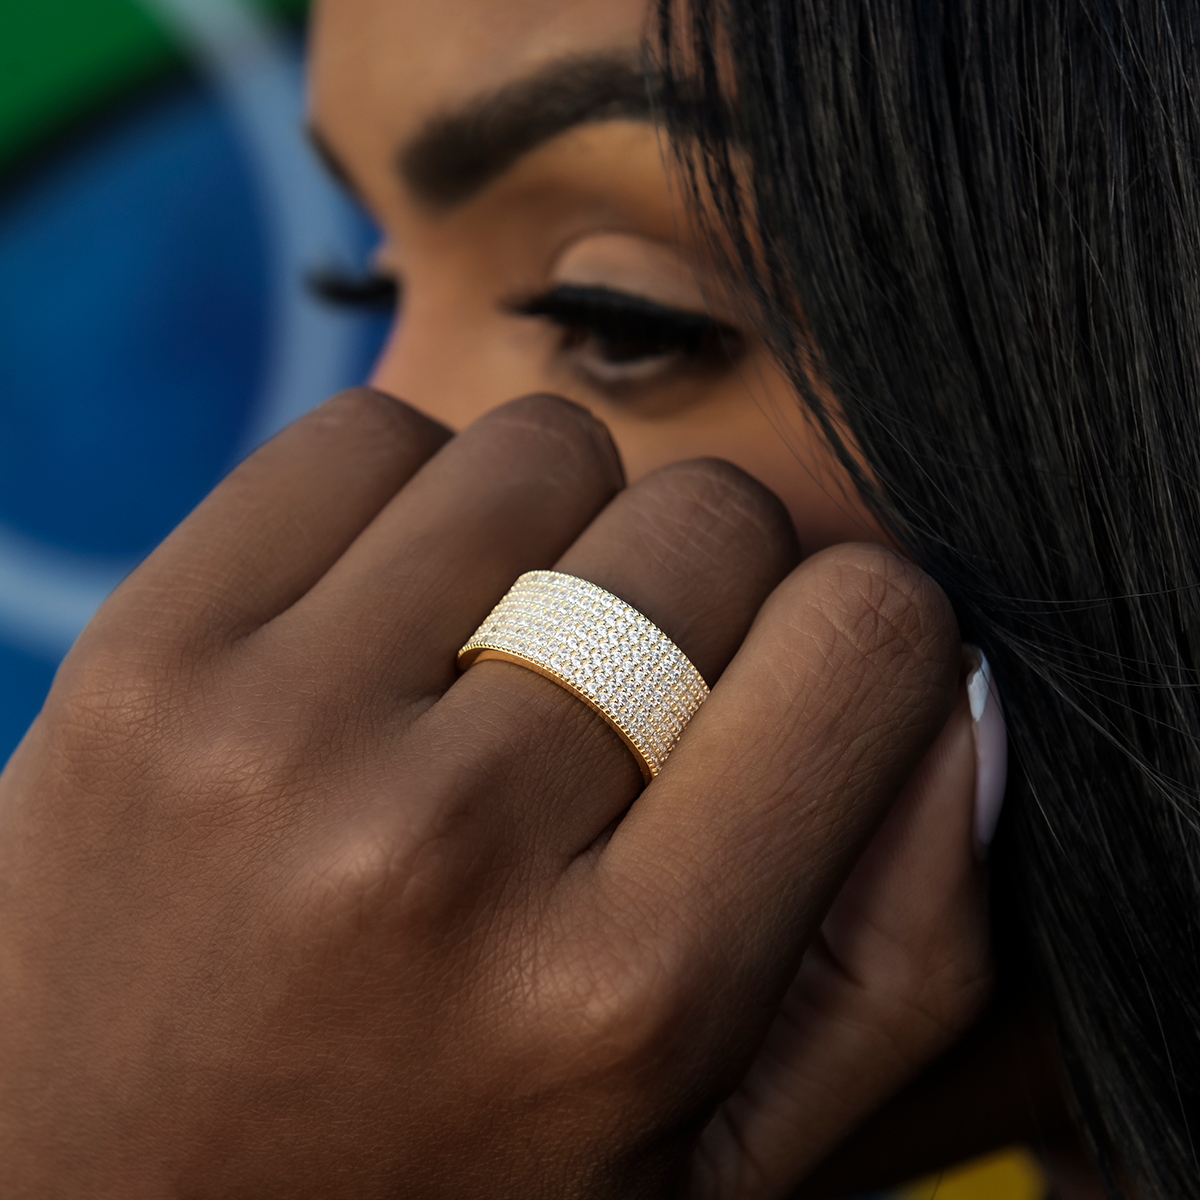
x: 621, y: 336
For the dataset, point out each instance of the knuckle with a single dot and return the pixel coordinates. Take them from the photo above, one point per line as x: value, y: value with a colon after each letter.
x: 375, y: 414
x: 936, y: 978
x: 935, y: 1010
x: 886, y: 608
x: 111, y: 734
x: 119, y: 687
x: 405, y: 882
x: 568, y: 435
x: 914, y: 999
x: 188, y: 740
x: 959, y: 995
x: 716, y: 507
x: 602, y: 1009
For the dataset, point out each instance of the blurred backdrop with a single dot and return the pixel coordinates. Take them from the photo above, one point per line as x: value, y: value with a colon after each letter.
x: 160, y: 212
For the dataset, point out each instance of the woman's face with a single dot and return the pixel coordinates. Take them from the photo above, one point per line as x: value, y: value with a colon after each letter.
x: 536, y: 232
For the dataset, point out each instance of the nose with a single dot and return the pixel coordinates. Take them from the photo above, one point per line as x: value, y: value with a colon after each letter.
x: 456, y: 355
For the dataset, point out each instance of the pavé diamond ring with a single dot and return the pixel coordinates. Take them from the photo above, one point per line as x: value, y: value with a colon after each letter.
x: 601, y: 650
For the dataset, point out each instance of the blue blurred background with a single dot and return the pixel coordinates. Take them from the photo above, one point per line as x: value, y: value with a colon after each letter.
x: 159, y: 213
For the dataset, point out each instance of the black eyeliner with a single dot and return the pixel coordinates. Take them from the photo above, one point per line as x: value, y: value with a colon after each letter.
x: 630, y: 327
x: 370, y: 290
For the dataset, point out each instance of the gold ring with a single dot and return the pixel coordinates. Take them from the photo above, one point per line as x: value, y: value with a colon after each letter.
x: 600, y: 649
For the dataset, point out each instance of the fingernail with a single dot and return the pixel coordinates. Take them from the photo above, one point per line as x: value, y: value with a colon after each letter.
x: 991, y: 747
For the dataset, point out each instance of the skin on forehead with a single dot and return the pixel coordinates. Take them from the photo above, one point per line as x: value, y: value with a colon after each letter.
x: 453, y: 52
x: 405, y: 96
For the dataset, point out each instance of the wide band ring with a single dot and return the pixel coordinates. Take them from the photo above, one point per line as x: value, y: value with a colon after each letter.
x: 601, y: 650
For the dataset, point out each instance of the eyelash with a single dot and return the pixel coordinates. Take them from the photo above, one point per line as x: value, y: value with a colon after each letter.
x: 372, y: 291
x: 628, y: 329
x: 625, y: 330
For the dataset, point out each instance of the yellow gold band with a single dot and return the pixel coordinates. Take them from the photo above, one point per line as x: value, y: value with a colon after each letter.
x: 601, y: 650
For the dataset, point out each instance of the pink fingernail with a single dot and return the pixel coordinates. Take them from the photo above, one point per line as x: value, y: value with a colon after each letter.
x: 991, y: 748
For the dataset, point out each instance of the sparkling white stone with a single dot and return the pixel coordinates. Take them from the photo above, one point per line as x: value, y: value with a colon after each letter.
x: 622, y: 664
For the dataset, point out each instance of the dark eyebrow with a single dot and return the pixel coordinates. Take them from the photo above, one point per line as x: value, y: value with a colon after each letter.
x: 456, y: 154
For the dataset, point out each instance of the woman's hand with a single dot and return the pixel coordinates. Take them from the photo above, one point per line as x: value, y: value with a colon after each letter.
x: 287, y: 909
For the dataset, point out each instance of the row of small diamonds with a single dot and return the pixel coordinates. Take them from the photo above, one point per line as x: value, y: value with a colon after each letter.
x: 605, y: 649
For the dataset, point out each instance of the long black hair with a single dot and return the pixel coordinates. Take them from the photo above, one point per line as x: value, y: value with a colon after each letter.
x: 978, y: 222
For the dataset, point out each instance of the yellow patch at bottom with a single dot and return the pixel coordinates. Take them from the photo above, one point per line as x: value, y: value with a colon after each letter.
x: 1009, y: 1175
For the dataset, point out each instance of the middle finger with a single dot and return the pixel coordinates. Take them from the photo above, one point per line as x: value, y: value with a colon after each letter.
x: 506, y: 495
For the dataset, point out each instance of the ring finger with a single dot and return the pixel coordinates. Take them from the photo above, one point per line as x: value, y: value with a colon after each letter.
x: 696, y: 548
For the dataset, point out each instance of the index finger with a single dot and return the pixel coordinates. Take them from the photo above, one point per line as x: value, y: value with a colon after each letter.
x: 739, y: 846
